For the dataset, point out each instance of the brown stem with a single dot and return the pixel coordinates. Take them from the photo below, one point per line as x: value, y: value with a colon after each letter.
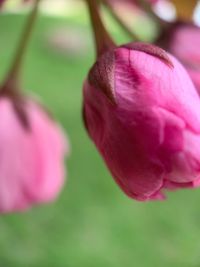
x: 103, y: 40
x: 11, y: 83
x: 119, y: 20
x: 185, y: 8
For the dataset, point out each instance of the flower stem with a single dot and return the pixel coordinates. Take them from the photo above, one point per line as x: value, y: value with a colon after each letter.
x: 103, y: 40
x: 185, y: 9
x: 120, y: 20
x: 11, y: 83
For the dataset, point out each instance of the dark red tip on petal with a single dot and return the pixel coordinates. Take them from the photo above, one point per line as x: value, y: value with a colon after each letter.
x: 151, y: 50
x: 101, y: 76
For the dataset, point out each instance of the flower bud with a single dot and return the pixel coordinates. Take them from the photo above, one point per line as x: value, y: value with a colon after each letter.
x: 143, y: 114
x: 183, y: 41
x: 32, y: 149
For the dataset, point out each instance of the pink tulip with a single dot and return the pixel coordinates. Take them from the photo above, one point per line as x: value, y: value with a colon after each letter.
x: 32, y: 149
x: 183, y: 41
x: 143, y: 114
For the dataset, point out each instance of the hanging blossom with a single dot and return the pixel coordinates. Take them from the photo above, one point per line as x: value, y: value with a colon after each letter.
x: 33, y: 147
x: 142, y: 112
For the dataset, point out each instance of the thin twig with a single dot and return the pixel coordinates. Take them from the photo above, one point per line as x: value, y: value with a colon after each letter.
x: 12, y: 78
x: 103, y: 39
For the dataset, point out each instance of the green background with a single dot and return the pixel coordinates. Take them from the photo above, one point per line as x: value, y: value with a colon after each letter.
x: 93, y: 224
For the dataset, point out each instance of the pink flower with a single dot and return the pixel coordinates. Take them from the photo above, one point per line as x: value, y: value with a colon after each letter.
x: 143, y: 114
x: 32, y: 149
x: 1, y: 2
x: 183, y: 41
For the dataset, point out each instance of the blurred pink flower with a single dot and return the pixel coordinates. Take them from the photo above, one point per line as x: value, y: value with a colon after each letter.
x: 1, y: 2
x: 143, y: 113
x: 32, y: 149
x: 183, y: 41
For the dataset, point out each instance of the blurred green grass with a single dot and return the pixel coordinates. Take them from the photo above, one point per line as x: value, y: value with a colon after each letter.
x: 92, y: 224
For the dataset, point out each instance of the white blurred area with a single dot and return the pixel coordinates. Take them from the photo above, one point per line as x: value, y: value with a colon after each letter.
x: 197, y: 14
x: 165, y: 10
x: 62, y: 7
x: 48, y: 7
